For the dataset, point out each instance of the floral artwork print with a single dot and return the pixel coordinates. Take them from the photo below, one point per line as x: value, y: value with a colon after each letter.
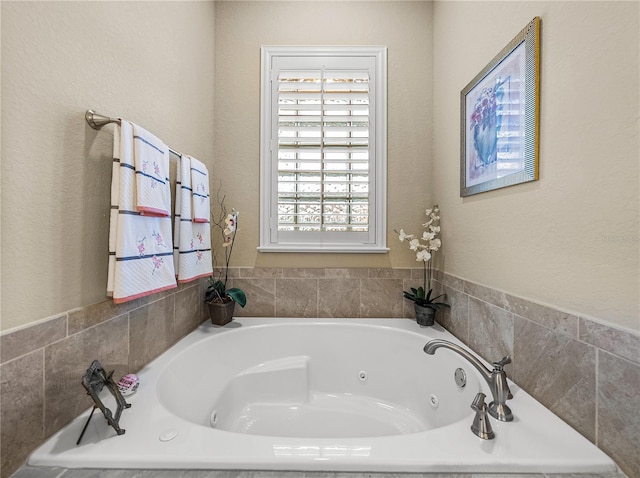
x: 485, y: 125
x: 494, y: 127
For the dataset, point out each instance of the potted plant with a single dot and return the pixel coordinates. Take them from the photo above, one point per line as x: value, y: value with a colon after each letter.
x: 220, y: 299
x: 425, y: 246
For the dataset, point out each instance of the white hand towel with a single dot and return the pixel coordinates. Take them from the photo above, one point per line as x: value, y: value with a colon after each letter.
x: 151, y: 160
x: 200, y: 191
x: 194, y: 252
x: 143, y: 245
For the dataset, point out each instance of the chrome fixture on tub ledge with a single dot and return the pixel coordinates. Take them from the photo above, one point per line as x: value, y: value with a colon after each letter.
x: 481, y: 426
x: 496, y: 378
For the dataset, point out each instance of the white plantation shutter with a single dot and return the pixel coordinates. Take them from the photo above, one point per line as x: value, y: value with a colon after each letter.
x: 323, y: 155
x: 323, y: 151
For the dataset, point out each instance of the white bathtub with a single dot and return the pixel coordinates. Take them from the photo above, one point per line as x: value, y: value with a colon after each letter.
x: 324, y: 395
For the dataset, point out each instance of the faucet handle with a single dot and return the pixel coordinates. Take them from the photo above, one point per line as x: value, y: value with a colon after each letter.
x: 481, y: 425
x: 497, y: 366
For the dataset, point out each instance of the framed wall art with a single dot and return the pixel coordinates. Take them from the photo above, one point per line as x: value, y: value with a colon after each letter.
x: 500, y: 118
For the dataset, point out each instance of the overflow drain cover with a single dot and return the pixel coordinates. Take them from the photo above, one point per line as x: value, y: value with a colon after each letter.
x: 460, y: 377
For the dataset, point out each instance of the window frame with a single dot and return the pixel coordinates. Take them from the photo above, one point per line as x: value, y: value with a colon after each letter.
x: 269, y: 240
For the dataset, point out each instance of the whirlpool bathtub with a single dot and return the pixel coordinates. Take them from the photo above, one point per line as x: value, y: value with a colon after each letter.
x: 323, y: 395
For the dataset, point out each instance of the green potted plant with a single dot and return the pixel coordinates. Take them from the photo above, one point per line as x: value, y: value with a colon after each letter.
x: 425, y: 246
x: 220, y: 299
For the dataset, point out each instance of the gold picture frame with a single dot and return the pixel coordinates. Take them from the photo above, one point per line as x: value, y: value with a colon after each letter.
x: 499, y: 137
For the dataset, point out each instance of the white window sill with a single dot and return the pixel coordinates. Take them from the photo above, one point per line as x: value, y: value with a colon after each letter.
x: 329, y: 248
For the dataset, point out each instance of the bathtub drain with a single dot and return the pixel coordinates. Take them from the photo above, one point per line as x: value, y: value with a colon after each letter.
x: 168, y: 435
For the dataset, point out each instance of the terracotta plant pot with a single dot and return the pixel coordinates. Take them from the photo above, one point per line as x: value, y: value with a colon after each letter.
x: 425, y: 316
x: 221, y: 313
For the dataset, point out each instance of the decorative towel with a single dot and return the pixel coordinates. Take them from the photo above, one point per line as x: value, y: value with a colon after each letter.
x: 151, y: 160
x: 193, y: 259
x: 141, y: 263
x: 200, y: 191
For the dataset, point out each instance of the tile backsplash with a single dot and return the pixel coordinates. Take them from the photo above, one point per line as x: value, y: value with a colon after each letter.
x: 586, y: 372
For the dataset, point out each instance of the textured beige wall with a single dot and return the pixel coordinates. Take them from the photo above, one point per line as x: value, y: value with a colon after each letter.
x: 150, y: 62
x: 570, y: 239
x: 405, y: 28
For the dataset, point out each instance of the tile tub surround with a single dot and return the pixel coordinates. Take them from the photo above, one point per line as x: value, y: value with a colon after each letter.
x: 596, y: 386
x: 584, y: 371
x: 42, y: 364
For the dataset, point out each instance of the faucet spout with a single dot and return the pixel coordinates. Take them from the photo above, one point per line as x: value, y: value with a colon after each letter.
x: 496, y: 378
x: 435, y: 344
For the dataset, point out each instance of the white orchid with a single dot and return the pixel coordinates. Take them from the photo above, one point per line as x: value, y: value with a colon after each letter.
x: 424, y: 247
x: 435, y: 244
x: 402, y: 235
x: 423, y: 256
x: 429, y: 241
x: 428, y: 236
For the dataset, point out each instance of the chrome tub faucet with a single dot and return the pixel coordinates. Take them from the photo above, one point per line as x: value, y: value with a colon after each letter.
x: 496, y: 378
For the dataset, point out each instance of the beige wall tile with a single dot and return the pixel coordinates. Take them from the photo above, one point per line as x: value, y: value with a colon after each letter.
x: 218, y: 273
x: 616, y: 341
x: 455, y: 318
x: 388, y: 273
x: 487, y: 294
x: 23, y: 341
x: 558, y: 371
x: 347, y: 273
x: 381, y: 298
x: 22, y: 415
x: 261, y: 272
x: 66, y: 362
x: 261, y: 297
x: 188, y: 315
x: 338, y: 298
x: 297, y: 298
x: 554, y: 319
x: 619, y: 411
x: 80, y: 319
x: 451, y: 281
x: 303, y: 273
x: 151, y: 332
x: 490, y: 330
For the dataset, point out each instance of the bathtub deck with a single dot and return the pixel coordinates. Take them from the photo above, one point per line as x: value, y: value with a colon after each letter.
x: 51, y: 472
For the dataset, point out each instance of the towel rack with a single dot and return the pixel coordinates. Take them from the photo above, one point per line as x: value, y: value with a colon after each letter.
x: 97, y: 121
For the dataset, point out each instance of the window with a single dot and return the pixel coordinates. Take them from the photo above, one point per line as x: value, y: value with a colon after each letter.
x: 323, y: 149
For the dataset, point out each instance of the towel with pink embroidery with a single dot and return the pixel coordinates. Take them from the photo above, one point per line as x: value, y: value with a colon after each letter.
x: 200, y: 191
x: 192, y: 256
x: 140, y: 245
x: 151, y: 160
